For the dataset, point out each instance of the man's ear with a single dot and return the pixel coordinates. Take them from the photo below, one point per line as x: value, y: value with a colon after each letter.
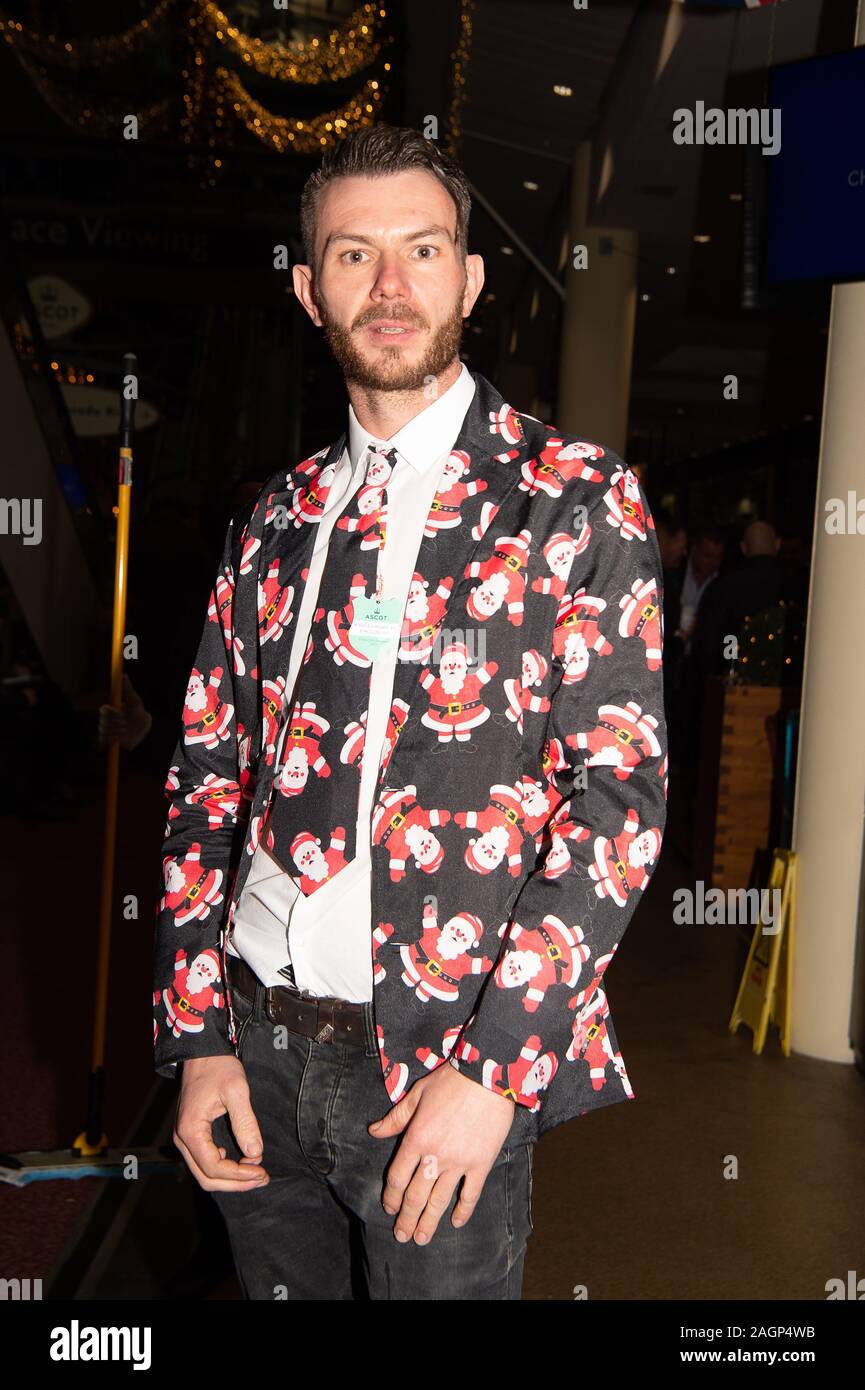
x: 302, y: 280
x: 474, y: 282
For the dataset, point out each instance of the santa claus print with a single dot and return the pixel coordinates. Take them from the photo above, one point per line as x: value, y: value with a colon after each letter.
x: 192, y: 992
x: 206, y: 717
x: 539, y: 957
x: 219, y: 797
x: 422, y: 617
x: 642, y: 617
x: 403, y: 828
x: 274, y: 606
x: 624, y: 505
x: 301, y: 753
x: 622, y: 861
x: 191, y: 889
x: 310, y: 497
x: 622, y: 738
x: 577, y: 635
x: 446, y: 507
x: 560, y: 552
x: 502, y: 828
x: 559, y: 464
x: 503, y: 578
x: 435, y: 965
x: 523, y: 1079
x: 519, y: 694
x: 453, y: 717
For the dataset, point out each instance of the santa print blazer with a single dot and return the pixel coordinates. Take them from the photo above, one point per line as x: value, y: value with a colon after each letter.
x: 521, y: 797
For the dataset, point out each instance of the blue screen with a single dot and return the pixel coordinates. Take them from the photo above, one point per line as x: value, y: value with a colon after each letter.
x: 816, y: 189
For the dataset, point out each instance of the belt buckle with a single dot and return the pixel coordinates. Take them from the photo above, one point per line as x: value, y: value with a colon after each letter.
x: 324, y: 1034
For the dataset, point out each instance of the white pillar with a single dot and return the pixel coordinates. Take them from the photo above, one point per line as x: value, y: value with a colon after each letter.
x: 597, y: 324
x: 830, y: 786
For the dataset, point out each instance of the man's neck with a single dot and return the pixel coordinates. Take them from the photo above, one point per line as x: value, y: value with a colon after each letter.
x: 383, y: 413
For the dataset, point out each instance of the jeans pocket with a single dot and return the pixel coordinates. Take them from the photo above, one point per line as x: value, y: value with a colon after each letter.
x: 244, y: 1012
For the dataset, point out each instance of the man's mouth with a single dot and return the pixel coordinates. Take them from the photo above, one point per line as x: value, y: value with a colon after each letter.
x: 395, y: 330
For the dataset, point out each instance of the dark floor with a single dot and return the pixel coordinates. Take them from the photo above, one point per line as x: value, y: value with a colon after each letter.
x: 632, y: 1201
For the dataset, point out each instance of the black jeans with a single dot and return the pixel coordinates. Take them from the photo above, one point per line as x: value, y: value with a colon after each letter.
x: 318, y: 1229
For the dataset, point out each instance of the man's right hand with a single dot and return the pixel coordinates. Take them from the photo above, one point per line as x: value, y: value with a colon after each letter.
x: 210, y: 1087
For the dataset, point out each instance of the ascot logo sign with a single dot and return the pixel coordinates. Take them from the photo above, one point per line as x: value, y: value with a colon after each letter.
x: 736, y: 126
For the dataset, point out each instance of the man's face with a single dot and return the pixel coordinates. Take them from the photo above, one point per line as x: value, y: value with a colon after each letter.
x: 707, y: 555
x: 390, y: 289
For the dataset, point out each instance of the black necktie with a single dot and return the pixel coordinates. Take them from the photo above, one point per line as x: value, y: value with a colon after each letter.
x: 312, y: 822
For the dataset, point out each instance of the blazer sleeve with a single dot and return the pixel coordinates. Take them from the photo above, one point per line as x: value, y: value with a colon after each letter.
x: 204, y: 795
x: 538, y: 1018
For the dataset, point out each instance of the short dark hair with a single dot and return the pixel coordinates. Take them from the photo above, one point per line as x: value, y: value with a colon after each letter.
x: 384, y: 149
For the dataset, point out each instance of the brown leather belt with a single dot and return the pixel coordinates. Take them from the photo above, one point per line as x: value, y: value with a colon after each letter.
x: 324, y: 1018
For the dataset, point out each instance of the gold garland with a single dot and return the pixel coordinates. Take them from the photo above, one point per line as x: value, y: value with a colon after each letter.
x: 460, y: 59
x: 343, y: 53
x: 90, y: 51
x: 345, y: 50
x: 309, y: 136
x: 89, y: 113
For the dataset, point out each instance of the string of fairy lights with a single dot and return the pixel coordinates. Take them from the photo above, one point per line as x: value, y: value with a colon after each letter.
x: 460, y: 60
x: 214, y: 96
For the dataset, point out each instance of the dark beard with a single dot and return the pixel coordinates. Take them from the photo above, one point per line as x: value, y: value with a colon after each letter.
x: 387, y: 374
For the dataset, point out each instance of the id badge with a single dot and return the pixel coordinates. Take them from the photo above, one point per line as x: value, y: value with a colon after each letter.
x: 375, y: 626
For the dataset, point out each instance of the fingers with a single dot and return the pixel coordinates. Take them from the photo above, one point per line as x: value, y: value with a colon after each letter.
x: 216, y: 1173
x: 423, y: 1207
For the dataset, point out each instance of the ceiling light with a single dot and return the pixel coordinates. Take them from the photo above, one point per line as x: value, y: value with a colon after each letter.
x: 645, y: 298
x: 735, y: 197
x: 507, y: 250
x: 701, y: 238
x: 670, y: 269
x: 562, y: 91
x: 531, y: 185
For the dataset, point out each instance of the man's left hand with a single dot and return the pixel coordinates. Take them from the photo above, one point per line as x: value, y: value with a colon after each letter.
x: 454, y: 1128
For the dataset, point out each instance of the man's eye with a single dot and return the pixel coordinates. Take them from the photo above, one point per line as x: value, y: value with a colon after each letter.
x: 355, y: 252
x: 432, y: 249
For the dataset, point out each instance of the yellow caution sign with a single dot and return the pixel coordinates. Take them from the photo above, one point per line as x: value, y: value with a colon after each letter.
x: 766, y: 990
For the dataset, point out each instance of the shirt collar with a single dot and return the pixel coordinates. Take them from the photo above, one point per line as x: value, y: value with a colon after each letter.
x: 425, y: 437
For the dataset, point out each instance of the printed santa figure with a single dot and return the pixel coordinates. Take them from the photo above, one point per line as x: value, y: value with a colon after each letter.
x: 663, y: 773
x: 624, y: 505
x: 538, y: 957
x: 395, y: 1073
x: 206, y: 718
x: 519, y: 693
x: 172, y: 784
x: 255, y: 831
x: 248, y: 553
x: 395, y: 725
x: 339, y: 621
x: 622, y: 738
x: 620, y: 861
x: 449, y: 716
x: 300, y: 749
x: 192, y: 992
x: 506, y: 423
x: 641, y: 617
x: 553, y: 760
x: 589, y: 1042
x: 559, y: 464
x: 380, y: 937
x: 274, y: 606
x: 435, y: 965
x: 450, y: 1046
x: 524, y: 1078
x: 422, y: 617
x: 446, y: 508
x: 313, y: 865
x: 562, y: 830
x: 272, y: 697
x: 219, y: 797
x: 559, y: 552
x: 310, y: 497
x: 370, y: 518
x: 488, y: 513
x: 577, y: 635
x: 191, y: 890
x: 536, y: 801
x: 502, y: 829
x: 219, y: 611
x: 402, y: 827
x: 351, y: 752
x: 503, y: 578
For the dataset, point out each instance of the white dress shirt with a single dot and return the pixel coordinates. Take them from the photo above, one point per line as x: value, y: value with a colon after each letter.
x: 326, y: 937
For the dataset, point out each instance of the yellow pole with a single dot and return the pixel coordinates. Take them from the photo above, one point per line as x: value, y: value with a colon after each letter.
x: 93, y: 1139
